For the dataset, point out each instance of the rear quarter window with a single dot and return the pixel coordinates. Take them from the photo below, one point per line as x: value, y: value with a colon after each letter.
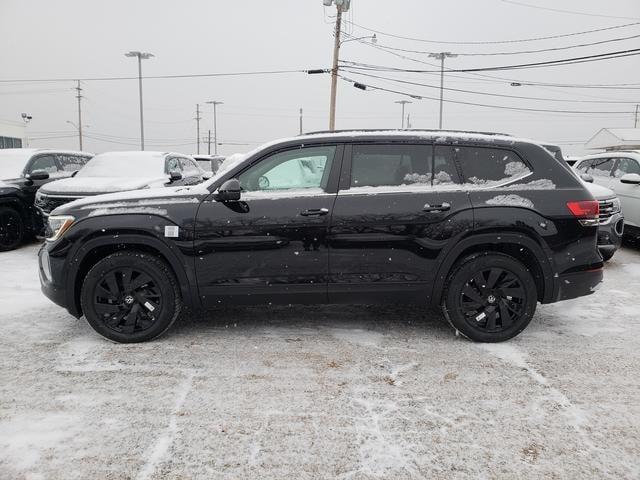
x: 490, y: 166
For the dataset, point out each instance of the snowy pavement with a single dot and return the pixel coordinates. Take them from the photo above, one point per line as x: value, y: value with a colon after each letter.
x: 321, y: 392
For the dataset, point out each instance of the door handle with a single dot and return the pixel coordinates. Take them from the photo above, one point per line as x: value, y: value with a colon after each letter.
x: 443, y: 207
x: 314, y: 212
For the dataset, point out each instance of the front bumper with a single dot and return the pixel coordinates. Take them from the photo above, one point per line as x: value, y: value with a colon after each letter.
x: 579, y: 284
x: 610, y: 233
x: 52, y: 281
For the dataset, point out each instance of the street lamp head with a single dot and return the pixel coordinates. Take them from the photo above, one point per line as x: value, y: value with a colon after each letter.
x: 214, y: 102
x: 142, y: 55
x: 403, y: 102
x: 26, y: 117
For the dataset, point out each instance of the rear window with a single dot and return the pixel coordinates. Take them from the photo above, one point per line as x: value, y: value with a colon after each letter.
x: 391, y: 165
x: 490, y: 166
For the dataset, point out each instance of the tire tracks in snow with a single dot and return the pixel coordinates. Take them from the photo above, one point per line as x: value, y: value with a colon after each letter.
x: 158, y: 450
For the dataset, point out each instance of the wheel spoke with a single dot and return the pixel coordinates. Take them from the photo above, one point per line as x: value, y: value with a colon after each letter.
x: 517, y: 292
x: 140, y: 280
x: 505, y: 317
x: 480, y: 282
x: 107, y: 308
x: 472, y: 294
x: 126, y: 279
x: 494, y: 274
x: 112, y: 284
x: 130, y: 319
x: 491, y: 319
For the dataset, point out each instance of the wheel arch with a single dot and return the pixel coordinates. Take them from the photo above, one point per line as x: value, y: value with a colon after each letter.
x: 520, y: 246
x: 99, y: 247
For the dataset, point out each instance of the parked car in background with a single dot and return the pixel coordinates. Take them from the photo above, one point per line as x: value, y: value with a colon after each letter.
x: 22, y: 172
x: 485, y: 226
x: 610, y: 219
x: 121, y: 171
x: 209, y: 163
x: 619, y: 171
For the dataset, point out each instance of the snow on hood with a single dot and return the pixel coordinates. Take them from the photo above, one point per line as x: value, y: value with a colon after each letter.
x: 97, y: 185
x: 598, y: 191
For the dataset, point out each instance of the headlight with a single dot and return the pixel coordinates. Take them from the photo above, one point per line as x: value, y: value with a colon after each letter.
x: 58, y: 224
x: 615, y: 205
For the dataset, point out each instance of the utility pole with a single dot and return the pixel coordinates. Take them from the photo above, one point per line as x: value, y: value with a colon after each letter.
x: 334, y: 70
x: 408, y: 120
x: 215, y: 103
x: 79, y: 97
x: 441, y: 56
x: 209, y: 143
x: 635, y: 123
x: 403, y: 103
x: 141, y: 56
x: 197, y: 119
x: 300, y: 121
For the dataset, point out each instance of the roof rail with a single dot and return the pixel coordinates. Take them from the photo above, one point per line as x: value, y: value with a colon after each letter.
x: 368, y: 130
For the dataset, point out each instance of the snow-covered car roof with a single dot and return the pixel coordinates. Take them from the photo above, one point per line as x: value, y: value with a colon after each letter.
x: 13, y: 160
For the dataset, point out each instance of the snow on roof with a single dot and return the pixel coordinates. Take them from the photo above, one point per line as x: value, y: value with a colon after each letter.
x: 615, y: 139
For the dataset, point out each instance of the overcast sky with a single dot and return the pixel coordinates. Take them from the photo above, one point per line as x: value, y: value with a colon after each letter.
x: 43, y: 39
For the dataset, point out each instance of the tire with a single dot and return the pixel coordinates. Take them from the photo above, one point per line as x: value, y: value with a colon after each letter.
x: 607, y: 255
x: 483, y: 290
x: 12, y: 229
x: 130, y: 297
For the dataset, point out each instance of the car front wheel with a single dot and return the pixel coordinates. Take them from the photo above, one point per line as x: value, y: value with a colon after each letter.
x: 130, y: 297
x: 489, y: 297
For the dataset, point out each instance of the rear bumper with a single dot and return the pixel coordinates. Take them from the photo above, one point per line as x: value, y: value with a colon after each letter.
x: 579, y: 284
x: 610, y: 234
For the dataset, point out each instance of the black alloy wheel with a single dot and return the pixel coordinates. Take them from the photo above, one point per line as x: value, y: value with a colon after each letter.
x: 490, y: 297
x: 130, y: 297
x: 12, y: 229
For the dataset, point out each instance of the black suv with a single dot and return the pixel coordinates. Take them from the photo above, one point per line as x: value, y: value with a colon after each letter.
x: 22, y: 172
x: 483, y: 225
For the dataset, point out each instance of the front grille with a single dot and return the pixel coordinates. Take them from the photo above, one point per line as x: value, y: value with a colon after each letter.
x: 607, y: 209
x: 48, y: 203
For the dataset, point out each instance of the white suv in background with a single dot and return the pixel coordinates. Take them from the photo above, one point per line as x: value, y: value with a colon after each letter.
x: 620, y: 172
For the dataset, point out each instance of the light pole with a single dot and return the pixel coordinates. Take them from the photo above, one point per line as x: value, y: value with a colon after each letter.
x: 215, y: 103
x: 441, y: 56
x: 26, y: 118
x: 403, y: 103
x: 141, y: 56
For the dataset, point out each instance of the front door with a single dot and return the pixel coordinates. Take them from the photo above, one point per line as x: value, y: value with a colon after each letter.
x: 399, y: 205
x: 628, y: 193
x: 270, y: 246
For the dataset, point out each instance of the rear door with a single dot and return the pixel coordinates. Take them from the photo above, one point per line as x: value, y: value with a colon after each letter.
x: 399, y: 205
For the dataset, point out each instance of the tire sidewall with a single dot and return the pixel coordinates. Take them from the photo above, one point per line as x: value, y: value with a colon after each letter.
x: 21, y: 232
x: 148, y: 264
x: 464, y: 272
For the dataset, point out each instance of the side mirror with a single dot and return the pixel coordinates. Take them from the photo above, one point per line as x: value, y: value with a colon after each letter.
x: 75, y: 172
x: 229, y: 191
x: 586, y: 177
x: 37, y: 175
x: 174, y: 176
x: 630, y: 178
x: 207, y: 175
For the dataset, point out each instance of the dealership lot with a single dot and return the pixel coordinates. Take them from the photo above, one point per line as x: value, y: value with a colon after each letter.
x: 319, y: 392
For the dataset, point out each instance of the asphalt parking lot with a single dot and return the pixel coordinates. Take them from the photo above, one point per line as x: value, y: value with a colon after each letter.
x: 321, y: 392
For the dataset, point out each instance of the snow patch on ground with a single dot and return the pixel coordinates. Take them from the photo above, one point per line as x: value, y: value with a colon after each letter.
x: 363, y: 338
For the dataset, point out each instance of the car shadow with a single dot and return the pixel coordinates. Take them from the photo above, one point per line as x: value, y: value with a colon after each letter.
x: 307, y: 319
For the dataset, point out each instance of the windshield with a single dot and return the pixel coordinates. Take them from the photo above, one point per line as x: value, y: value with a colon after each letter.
x: 133, y: 165
x: 12, y: 164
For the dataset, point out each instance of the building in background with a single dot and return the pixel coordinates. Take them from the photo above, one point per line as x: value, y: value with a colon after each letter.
x: 615, y: 139
x: 12, y: 134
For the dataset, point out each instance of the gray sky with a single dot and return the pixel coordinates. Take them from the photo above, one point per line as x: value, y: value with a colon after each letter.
x: 75, y: 39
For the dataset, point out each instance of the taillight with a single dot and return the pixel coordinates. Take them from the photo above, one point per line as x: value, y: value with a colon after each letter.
x: 586, y: 211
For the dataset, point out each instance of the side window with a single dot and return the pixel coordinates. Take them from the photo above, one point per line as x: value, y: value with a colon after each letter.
x: 189, y: 169
x: 601, y: 167
x: 584, y: 165
x: 392, y: 165
x: 490, y: 166
x: 71, y: 163
x: 44, y: 162
x: 626, y: 165
x: 173, y: 164
x: 293, y: 169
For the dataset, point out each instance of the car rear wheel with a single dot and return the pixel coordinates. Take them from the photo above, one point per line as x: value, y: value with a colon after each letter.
x: 489, y: 297
x: 12, y: 229
x: 130, y: 297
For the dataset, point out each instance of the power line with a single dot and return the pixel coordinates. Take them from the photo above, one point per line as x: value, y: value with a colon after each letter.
x: 495, y: 42
x: 572, y: 12
x: 548, y: 63
x: 521, y: 52
x: 505, y: 107
x: 475, y: 92
x: 155, y: 77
